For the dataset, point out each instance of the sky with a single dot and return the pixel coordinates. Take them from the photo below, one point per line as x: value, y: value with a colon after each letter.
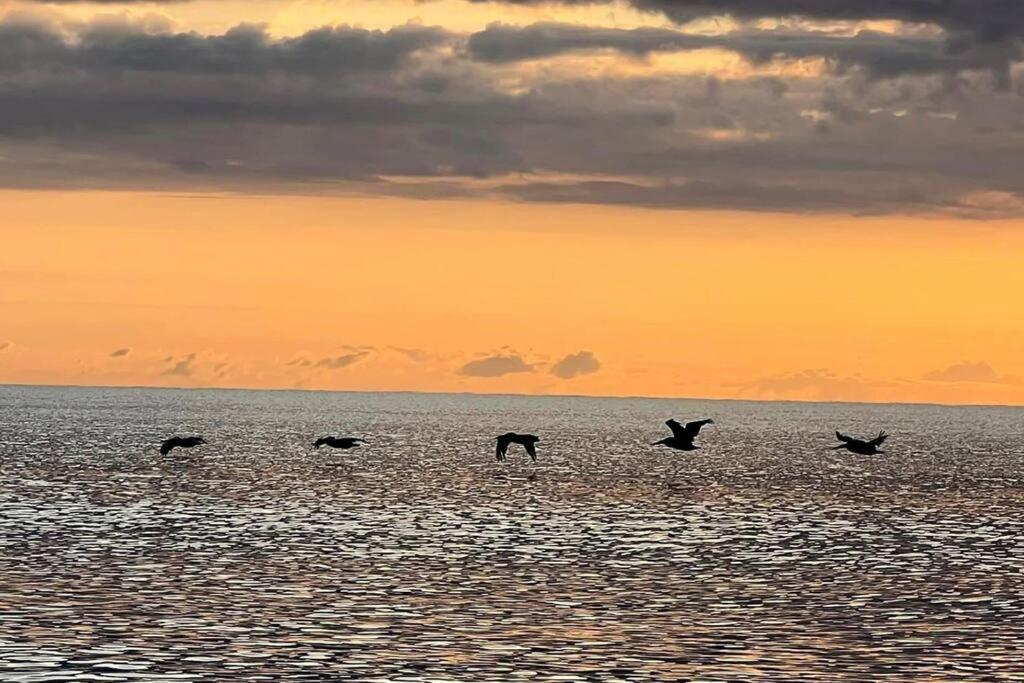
x: 725, y: 199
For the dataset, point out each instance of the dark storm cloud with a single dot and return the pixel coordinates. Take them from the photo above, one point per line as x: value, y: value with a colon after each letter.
x: 496, y: 366
x: 575, y: 365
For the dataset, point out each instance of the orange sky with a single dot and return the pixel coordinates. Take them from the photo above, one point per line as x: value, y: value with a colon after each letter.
x: 317, y: 286
x: 670, y: 303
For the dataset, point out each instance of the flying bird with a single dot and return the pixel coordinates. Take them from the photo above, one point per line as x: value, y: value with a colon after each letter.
x: 180, y: 442
x: 342, y: 442
x: 527, y: 441
x: 859, y: 446
x: 683, y: 435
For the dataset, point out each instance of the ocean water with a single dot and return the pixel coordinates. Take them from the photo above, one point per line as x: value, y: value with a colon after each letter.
x: 763, y: 556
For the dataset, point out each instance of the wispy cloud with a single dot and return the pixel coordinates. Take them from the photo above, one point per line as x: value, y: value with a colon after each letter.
x: 120, y: 353
x: 417, y: 355
x: 818, y: 384
x: 967, y: 371
x: 343, y: 361
x: 181, y: 367
x: 576, y: 364
x: 496, y: 366
x: 350, y: 355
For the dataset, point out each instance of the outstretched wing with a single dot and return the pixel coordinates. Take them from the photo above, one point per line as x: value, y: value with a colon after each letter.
x: 530, y: 447
x: 879, y: 440
x: 844, y: 438
x: 168, y: 446
x: 503, y: 441
x: 693, y: 428
x: 687, y: 432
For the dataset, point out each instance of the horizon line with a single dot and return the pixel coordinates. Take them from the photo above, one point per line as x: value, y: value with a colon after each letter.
x: 4, y: 385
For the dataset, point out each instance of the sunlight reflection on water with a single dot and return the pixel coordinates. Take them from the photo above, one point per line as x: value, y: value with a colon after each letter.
x: 421, y: 558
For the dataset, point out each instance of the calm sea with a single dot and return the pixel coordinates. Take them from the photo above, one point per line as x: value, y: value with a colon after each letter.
x: 420, y: 558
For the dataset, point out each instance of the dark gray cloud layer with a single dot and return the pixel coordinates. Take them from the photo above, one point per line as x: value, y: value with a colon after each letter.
x: 245, y: 50
x: 976, y: 30
x: 901, y: 123
x: 881, y: 55
x: 987, y: 19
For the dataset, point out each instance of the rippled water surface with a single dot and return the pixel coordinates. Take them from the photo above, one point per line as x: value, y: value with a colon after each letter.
x: 419, y: 557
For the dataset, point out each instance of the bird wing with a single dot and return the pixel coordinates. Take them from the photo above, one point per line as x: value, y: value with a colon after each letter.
x: 503, y: 441
x: 531, y: 448
x: 678, y: 430
x: 844, y: 438
x: 693, y: 428
x: 879, y: 440
x: 168, y: 446
x: 687, y: 432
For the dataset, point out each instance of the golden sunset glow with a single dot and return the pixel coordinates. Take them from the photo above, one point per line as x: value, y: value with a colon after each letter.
x: 673, y: 303
x: 375, y: 254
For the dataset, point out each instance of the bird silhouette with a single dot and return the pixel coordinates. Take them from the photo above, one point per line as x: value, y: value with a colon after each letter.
x: 180, y: 442
x: 342, y: 442
x: 527, y: 441
x: 683, y: 435
x: 859, y: 446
